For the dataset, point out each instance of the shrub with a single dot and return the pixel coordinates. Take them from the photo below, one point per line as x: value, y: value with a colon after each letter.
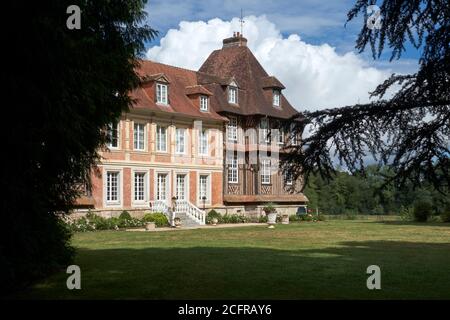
x: 445, y: 216
x: 158, y: 218
x: 321, y: 217
x: 270, y: 207
x: 407, y: 214
x: 233, y: 218
x: 125, y: 215
x: 295, y: 218
x: 262, y: 219
x: 213, y: 214
x: 350, y: 215
x: 422, y: 211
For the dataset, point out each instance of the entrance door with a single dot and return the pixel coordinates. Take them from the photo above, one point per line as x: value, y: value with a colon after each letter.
x: 181, y: 187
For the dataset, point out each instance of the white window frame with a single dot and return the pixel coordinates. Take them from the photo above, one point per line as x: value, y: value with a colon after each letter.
x: 109, y: 131
x: 140, y: 202
x: 166, y: 186
x: 233, y: 169
x: 232, y: 129
x: 232, y: 94
x: 265, y: 171
x: 118, y: 201
x: 203, y: 137
x: 137, y: 138
x: 162, y: 93
x: 276, y: 98
x: 264, y: 131
x: 180, y: 141
x: 288, y: 180
x: 186, y: 184
x: 293, y: 137
x: 159, y: 141
x: 204, y: 103
x: 280, y: 138
x: 208, y: 189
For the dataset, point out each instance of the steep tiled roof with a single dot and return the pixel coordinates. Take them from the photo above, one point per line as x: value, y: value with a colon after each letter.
x: 239, y: 62
x: 180, y: 80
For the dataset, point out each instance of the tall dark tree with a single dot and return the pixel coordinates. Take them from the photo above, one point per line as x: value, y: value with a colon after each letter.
x: 411, y: 129
x: 65, y: 86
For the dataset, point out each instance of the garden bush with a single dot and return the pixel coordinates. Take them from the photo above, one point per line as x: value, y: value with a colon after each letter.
x: 422, y: 211
x: 125, y: 215
x: 158, y: 218
x: 213, y: 214
x: 262, y: 219
x: 233, y: 218
x: 445, y: 216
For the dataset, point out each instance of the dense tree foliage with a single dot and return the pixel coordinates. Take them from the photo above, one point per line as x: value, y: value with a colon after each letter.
x: 65, y: 85
x: 369, y: 194
x: 410, y: 130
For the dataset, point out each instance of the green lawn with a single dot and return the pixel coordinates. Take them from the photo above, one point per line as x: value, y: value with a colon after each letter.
x: 298, y: 261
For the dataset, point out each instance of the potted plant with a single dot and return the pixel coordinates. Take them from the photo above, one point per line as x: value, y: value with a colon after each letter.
x: 271, y: 213
x: 285, y: 219
x: 214, y: 221
x: 177, y: 222
x: 150, y: 226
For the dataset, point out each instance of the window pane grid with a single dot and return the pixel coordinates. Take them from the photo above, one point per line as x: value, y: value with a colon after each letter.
x: 139, y: 186
x: 161, y: 187
x: 112, y: 134
x: 181, y: 187
x: 139, y: 136
x: 203, y: 142
x: 204, y: 103
x: 112, y: 186
x: 203, y: 187
x: 161, y: 139
x: 265, y: 171
x: 233, y: 169
x: 232, y: 129
x: 179, y: 140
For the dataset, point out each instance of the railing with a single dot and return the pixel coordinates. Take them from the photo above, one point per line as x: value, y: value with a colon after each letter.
x: 184, y: 206
x: 161, y: 206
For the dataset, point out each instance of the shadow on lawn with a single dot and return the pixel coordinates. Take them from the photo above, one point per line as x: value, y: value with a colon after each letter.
x: 409, y: 270
x: 413, y: 223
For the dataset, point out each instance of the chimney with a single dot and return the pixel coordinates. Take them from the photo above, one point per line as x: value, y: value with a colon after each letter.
x: 237, y: 40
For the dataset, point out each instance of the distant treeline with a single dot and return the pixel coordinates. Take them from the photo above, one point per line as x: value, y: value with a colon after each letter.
x: 356, y: 194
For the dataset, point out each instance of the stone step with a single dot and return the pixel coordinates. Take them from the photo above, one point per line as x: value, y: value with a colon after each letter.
x: 187, y: 221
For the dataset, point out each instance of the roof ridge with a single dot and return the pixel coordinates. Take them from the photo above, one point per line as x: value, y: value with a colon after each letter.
x: 168, y: 65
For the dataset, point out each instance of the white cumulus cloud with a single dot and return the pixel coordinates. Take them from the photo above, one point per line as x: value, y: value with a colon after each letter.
x: 315, y: 76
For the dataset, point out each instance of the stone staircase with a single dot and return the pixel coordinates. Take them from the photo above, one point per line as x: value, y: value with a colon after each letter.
x: 189, y: 214
x: 186, y: 221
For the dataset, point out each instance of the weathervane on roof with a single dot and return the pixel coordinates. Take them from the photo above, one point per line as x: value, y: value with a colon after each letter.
x: 241, y: 20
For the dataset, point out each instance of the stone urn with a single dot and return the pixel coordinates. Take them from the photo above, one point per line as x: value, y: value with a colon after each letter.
x: 214, y: 221
x: 272, y: 219
x: 177, y: 222
x: 150, y: 226
x: 285, y: 219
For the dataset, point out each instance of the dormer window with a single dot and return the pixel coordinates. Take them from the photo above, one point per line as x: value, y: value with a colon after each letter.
x: 204, y: 103
x: 276, y: 98
x: 161, y: 93
x: 232, y: 94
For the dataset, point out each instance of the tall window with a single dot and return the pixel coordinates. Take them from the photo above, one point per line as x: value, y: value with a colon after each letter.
x: 232, y: 94
x: 280, y: 138
x: 265, y: 171
x: 139, y: 186
x: 161, y: 186
x: 161, y: 139
x: 264, y: 130
x: 180, y: 141
x: 181, y: 187
x: 203, y: 187
x: 233, y: 169
x: 203, y: 142
x: 161, y: 93
x: 276, y: 98
x: 112, y: 186
x: 294, y: 136
x: 139, y: 136
x: 112, y: 134
x: 288, y: 178
x: 232, y: 129
x: 203, y: 103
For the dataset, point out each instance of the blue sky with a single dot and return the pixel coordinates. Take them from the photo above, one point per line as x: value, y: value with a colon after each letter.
x: 316, y: 22
x: 304, y: 43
